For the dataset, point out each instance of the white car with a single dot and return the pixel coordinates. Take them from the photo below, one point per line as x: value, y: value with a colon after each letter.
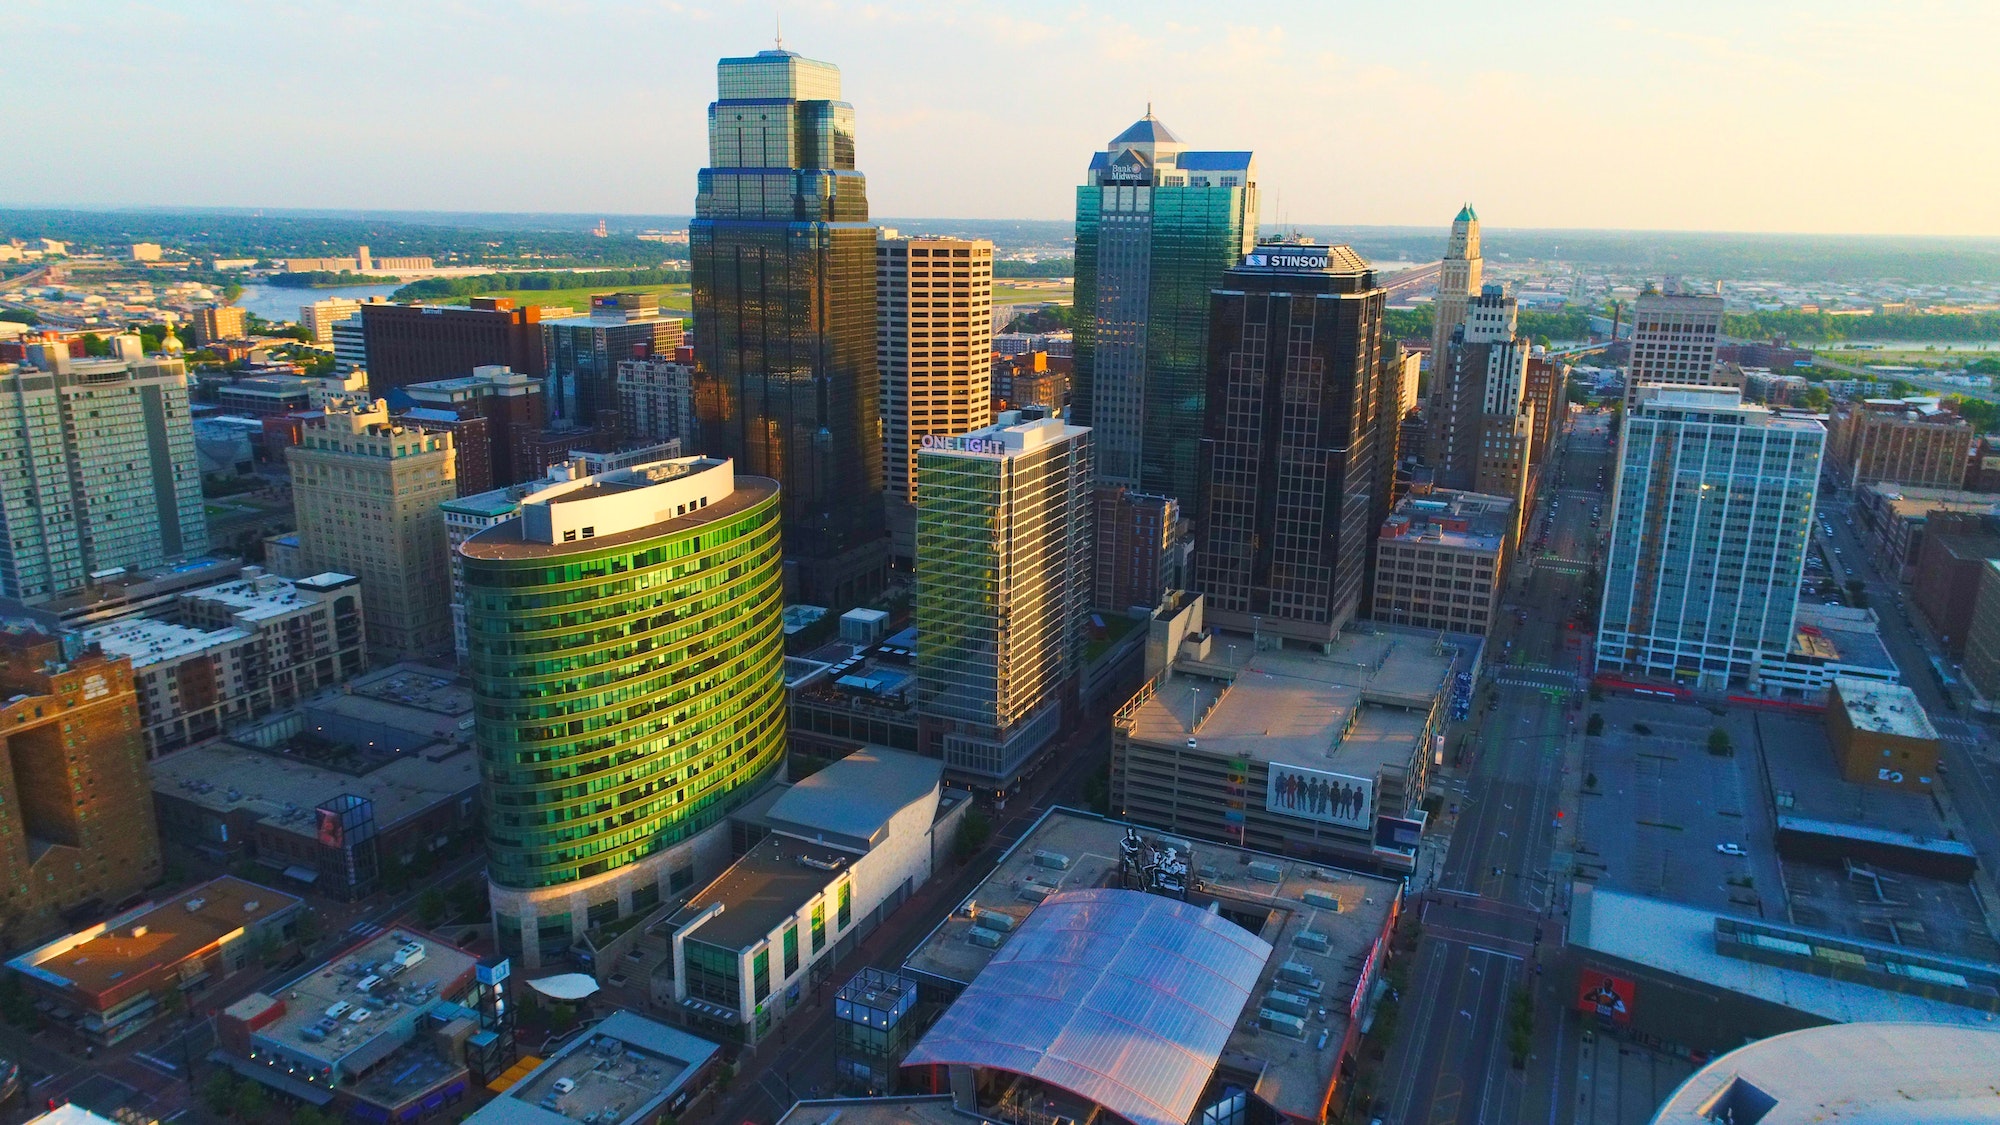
x: 1731, y: 849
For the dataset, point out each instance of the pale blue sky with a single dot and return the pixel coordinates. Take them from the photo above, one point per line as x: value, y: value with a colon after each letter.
x: 1821, y: 116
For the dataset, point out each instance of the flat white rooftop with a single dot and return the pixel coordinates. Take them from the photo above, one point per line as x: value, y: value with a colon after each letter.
x: 1884, y: 708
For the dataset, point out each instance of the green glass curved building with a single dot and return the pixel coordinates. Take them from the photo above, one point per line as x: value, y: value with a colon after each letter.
x: 626, y: 648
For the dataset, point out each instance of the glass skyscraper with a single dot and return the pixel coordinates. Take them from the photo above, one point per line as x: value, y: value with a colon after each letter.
x: 1004, y: 520
x: 625, y: 644
x: 783, y: 260
x: 1156, y: 225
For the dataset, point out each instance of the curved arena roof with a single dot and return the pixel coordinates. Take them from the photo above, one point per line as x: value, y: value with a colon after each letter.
x: 1120, y: 997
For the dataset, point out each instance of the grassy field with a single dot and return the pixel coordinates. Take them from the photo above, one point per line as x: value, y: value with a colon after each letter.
x: 1032, y: 292
x: 675, y: 298
x: 1941, y: 355
x: 672, y: 297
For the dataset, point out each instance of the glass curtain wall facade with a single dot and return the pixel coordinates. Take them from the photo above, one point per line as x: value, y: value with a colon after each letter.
x: 783, y: 265
x: 1156, y: 226
x: 1292, y: 480
x: 1710, y: 524
x: 1003, y: 584
x: 630, y: 689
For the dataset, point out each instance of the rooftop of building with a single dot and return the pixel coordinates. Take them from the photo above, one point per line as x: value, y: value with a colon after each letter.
x: 146, y: 641
x: 1682, y: 940
x: 624, y: 1069
x: 405, y: 972
x: 1859, y: 1073
x: 521, y: 539
x: 1848, y: 636
x: 1881, y: 708
x: 874, y: 1111
x: 1298, y: 258
x: 1289, y: 905
x: 772, y: 882
x: 1448, y: 517
x: 851, y: 800
x: 1703, y: 403
x: 155, y: 935
x: 1295, y: 705
x: 1908, y: 501
x: 282, y: 789
x: 117, y: 588
x: 1012, y: 434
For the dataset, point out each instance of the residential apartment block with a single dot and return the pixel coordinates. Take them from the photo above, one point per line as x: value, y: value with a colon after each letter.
x: 97, y: 470
x: 222, y: 655
x: 1003, y: 584
x: 1711, y: 520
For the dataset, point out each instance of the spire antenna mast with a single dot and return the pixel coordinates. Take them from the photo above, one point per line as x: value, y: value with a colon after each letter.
x: 778, y: 27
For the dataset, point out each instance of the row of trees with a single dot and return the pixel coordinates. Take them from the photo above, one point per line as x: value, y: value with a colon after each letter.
x: 1827, y: 328
x: 439, y: 288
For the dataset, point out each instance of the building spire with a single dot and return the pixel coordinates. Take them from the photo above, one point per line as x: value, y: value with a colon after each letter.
x: 778, y: 35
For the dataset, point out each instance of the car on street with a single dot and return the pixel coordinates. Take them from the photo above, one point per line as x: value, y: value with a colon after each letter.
x: 1731, y: 849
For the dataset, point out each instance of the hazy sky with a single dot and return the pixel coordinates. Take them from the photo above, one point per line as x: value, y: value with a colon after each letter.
x: 1820, y: 116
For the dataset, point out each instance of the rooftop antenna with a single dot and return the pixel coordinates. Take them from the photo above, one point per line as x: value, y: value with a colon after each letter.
x: 778, y: 26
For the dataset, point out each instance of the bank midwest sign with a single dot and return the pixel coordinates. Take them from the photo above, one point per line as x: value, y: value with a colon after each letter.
x: 964, y: 444
x: 1287, y: 258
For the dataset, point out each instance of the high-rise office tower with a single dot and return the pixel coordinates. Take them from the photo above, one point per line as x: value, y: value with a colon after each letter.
x: 511, y: 405
x: 97, y: 469
x: 367, y: 490
x: 612, y: 741
x: 1292, y: 481
x: 1711, y: 518
x: 934, y: 346
x: 1481, y: 426
x: 1673, y: 340
x: 1460, y: 278
x: 583, y: 353
x: 783, y: 262
x: 1003, y: 587
x: 656, y: 397
x: 76, y: 806
x: 1156, y: 225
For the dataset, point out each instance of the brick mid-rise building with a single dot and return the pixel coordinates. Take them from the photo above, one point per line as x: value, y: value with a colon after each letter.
x: 412, y: 343
x: 1955, y: 550
x: 1915, y: 441
x: 76, y: 810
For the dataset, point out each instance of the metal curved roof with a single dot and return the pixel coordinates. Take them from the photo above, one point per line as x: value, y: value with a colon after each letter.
x: 1120, y: 997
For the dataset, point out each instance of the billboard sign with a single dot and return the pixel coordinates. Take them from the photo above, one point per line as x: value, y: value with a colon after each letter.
x: 963, y: 444
x: 1319, y: 795
x: 1608, y: 996
x: 1398, y: 832
x: 331, y: 832
x: 1286, y: 258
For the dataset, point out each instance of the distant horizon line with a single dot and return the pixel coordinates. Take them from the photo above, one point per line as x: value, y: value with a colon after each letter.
x: 683, y: 217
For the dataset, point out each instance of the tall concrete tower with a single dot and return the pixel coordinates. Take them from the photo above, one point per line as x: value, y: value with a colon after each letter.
x: 1458, y: 280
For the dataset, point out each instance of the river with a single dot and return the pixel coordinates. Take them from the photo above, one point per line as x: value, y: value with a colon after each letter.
x: 281, y: 302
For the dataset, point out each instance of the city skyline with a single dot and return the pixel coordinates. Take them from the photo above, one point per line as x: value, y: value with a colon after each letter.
x: 1605, y: 97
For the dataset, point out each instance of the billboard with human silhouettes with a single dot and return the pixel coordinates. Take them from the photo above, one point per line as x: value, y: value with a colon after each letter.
x: 1330, y: 798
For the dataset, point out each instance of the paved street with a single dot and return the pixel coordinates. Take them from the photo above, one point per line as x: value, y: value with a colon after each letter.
x: 1498, y: 899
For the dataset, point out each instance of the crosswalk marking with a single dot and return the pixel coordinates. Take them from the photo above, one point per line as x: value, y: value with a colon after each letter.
x: 365, y: 929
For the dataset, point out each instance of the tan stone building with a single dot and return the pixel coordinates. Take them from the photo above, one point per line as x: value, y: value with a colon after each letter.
x: 366, y: 490
x: 76, y: 809
x: 933, y: 344
x: 1913, y: 441
x: 216, y: 322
